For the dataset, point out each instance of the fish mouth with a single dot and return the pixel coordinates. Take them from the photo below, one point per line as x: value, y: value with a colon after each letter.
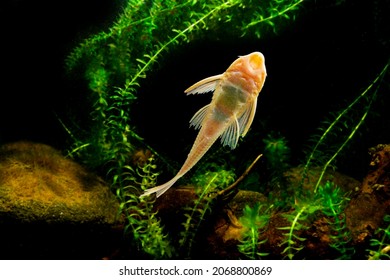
x: 256, y: 61
x: 255, y: 64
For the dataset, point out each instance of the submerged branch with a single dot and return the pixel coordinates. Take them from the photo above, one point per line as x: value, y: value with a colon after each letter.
x: 231, y: 191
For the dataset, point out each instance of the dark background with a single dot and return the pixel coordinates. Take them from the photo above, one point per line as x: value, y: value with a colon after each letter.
x: 36, y: 38
x: 316, y: 65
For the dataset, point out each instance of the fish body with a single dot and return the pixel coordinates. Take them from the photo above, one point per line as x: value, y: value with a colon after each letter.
x: 230, y: 113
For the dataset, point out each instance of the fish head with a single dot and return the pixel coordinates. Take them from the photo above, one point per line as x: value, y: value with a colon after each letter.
x: 254, y: 64
x: 248, y: 72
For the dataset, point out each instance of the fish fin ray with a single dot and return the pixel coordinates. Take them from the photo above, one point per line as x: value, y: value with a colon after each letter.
x: 231, y: 135
x: 246, y: 119
x: 205, y: 85
x: 197, y: 120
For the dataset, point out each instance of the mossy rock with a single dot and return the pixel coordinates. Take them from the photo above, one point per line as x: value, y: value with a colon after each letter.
x: 51, y: 207
x: 38, y: 184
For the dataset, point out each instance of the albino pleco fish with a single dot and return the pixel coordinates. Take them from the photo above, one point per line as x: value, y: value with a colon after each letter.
x: 230, y: 113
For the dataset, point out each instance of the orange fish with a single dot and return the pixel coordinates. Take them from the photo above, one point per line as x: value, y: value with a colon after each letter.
x: 230, y: 113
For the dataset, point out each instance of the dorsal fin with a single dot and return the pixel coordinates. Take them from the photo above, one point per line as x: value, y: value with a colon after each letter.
x: 205, y: 85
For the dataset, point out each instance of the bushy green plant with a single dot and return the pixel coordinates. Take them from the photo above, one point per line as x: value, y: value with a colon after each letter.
x: 333, y: 203
x: 147, y: 28
x: 113, y: 140
x: 329, y: 201
x: 277, y: 155
x: 142, y: 222
x: 298, y: 219
x: 254, y: 221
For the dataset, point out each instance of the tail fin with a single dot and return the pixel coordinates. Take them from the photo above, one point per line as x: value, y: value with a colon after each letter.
x: 159, y: 190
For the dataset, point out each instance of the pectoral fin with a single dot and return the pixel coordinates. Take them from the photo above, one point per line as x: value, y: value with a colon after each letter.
x: 246, y: 119
x: 205, y: 85
x: 239, y: 127
x: 231, y: 135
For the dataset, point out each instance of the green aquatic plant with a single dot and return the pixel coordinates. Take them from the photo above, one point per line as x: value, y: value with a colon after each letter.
x: 114, y: 139
x: 298, y: 219
x: 326, y: 199
x: 276, y: 152
x: 321, y: 153
x: 277, y: 155
x: 142, y: 223
x: 145, y: 26
x: 254, y: 221
x: 207, y: 183
x: 113, y: 146
x: 271, y: 15
x: 329, y: 201
x: 382, y: 245
x: 201, y: 17
x: 333, y: 203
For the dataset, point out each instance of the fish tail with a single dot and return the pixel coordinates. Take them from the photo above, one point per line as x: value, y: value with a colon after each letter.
x: 159, y: 190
